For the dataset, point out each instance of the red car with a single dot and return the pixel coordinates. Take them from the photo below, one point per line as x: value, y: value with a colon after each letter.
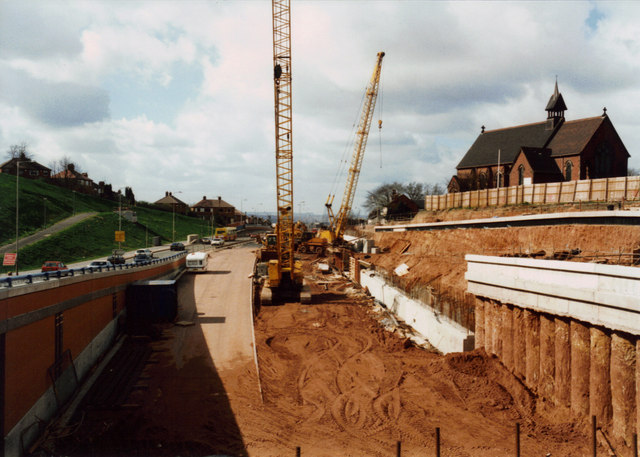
x: 53, y: 265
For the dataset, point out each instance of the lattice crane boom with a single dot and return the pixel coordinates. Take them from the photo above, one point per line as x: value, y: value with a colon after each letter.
x: 339, y: 222
x: 283, y: 130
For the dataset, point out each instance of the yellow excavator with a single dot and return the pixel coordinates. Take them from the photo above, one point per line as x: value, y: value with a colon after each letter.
x: 284, y: 272
x: 338, y: 222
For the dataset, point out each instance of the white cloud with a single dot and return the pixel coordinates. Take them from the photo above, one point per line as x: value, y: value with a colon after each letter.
x: 449, y: 68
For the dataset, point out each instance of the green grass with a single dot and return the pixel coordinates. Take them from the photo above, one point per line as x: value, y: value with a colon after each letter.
x: 34, y: 209
x: 86, y: 240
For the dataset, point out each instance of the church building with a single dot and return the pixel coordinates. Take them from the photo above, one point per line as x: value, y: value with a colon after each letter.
x: 549, y: 151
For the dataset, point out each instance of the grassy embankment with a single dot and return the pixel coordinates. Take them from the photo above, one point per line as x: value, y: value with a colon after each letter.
x: 88, y: 239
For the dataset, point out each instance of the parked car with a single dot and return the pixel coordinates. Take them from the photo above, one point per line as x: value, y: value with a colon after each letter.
x: 100, y: 264
x: 53, y: 265
x: 177, y: 247
x: 117, y: 257
x: 146, y: 252
x: 217, y: 242
x: 141, y: 257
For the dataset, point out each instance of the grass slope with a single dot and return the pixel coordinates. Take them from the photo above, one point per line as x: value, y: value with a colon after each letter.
x: 88, y: 239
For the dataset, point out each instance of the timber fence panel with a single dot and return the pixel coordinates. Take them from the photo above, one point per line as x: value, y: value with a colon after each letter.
x: 582, y: 190
x: 598, y: 189
x: 527, y: 195
x: 633, y: 188
x: 567, y: 192
x: 616, y: 188
x: 553, y: 191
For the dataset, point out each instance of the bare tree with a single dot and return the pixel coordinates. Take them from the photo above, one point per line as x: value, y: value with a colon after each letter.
x: 19, y: 151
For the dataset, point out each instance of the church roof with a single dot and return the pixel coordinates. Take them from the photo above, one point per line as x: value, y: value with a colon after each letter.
x: 484, y: 151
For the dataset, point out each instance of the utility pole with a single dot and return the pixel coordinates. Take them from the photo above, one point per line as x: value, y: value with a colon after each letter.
x: 17, y: 211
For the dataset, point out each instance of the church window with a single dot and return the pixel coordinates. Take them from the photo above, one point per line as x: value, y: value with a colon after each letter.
x: 521, y: 175
x: 568, y: 167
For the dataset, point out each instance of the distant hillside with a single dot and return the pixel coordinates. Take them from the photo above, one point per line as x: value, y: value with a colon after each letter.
x: 41, y: 203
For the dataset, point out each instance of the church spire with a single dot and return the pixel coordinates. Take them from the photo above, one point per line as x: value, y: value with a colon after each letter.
x: 555, y: 108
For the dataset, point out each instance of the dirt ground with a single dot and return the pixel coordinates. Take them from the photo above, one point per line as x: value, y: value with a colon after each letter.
x: 331, y: 381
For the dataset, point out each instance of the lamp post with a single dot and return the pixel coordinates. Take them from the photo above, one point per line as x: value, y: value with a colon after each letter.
x: 119, y: 216
x: 17, y: 211
x: 173, y: 205
x: 74, y: 202
x: 44, y: 212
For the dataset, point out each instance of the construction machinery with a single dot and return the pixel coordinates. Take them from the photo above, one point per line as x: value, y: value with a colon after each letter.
x: 284, y: 272
x: 338, y: 222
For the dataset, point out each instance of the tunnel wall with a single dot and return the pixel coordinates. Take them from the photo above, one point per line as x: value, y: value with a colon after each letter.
x: 581, y: 329
x: 64, y: 324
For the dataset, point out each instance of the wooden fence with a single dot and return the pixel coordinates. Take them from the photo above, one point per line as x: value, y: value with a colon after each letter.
x: 605, y: 189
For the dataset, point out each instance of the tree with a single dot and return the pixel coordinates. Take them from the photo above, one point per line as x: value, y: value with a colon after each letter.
x: 19, y: 151
x: 633, y: 172
x: 128, y: 196
x: 382, y: 196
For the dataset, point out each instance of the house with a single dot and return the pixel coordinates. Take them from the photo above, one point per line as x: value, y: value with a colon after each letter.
x: 549, y: 151
x: 216, y: 208
x: 28, y: 168
x: 72, y: 178
x: 171, y: 203
x: 401, y: 207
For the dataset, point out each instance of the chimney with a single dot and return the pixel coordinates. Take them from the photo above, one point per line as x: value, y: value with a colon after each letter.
x: 166, y: 193
x: 204, y: 197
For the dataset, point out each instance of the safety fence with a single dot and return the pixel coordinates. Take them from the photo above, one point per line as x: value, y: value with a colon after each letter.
x: 626, y: 188
x: 10, y: 281
x: 597, y: 441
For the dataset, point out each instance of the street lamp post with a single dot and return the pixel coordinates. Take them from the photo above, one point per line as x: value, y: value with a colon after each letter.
x: 173, y: 205
x: 119, y: 216
x: 74, y: 202
x: 17, y: 211
x: 44, y: 212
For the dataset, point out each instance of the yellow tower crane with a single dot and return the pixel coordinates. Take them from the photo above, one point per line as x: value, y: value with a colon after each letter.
x: 283, y: 271
x: 338, y: 223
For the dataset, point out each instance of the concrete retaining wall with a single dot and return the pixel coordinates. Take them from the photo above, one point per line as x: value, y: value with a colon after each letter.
x: 41, y: 322
x: 581, y: 329
x: 443, y: 334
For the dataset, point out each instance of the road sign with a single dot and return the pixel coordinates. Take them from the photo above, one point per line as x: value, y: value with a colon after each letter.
x: 9, y: 259
x: 120, y: 236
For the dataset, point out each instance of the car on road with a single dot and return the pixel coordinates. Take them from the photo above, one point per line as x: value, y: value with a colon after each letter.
x: 53, y: 265
x: 100, y: 264
x: 117, y: 257
x: 217, y: 242
x: 145, y: 251
x: 141, y: 258
x: 176, y: 247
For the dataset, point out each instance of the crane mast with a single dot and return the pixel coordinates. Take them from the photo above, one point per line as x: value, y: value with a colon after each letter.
x: 338, y: 222
x: 283, y: 126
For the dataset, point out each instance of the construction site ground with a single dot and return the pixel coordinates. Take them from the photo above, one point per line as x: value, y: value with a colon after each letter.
x: 332, y: 377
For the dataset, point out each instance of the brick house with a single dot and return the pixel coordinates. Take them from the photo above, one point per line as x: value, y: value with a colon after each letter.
x: 72, y: 178
x: 171, y: 203
x: 549, y: 151
x: 216, y: 208
x: 28, y: 168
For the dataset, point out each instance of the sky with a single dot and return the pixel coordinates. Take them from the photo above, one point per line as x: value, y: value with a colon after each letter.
x: 177, y: 96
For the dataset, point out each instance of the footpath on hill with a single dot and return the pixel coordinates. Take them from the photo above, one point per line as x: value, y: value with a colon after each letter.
x: 42, y: 234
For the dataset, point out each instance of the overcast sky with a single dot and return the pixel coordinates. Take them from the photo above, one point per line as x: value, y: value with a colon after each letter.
x: 178, y: 95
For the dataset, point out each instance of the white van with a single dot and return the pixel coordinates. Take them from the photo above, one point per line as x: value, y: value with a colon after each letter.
x: 197, y: 261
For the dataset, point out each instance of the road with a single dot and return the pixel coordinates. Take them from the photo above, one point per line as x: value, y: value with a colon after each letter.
x: 219, y: 301
x: 183, y: 405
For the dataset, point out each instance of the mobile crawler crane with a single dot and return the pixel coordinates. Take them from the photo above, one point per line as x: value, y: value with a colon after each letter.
x: 338, y: 222
x: 284, y: 272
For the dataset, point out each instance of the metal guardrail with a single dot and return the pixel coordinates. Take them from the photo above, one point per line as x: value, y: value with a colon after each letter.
x: 11, y: 281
